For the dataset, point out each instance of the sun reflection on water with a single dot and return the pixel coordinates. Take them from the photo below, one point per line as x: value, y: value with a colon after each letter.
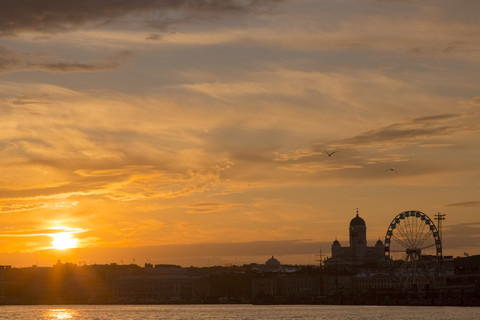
x: 61, y: 314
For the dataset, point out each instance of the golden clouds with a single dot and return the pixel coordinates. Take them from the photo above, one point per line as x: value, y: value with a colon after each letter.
x: 122, y: 184
x: 169, y: 162
x: 209, y: 207
x: 38, y: 239
x: 183, y: 123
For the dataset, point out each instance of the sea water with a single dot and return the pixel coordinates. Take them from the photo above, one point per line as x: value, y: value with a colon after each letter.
x: 244, y: 312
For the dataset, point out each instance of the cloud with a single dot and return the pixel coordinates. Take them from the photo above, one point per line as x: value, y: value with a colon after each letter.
x: 323, y: 93
x: 414, y: 131
x: 101, y: 153
x: 461, y: 236
x: 11, y: 61
x: 296, y: 155
x: 122, y: 184
x: 113, y: 172
x: 371, y: 131
x: 472, y: 103
x: 154, y: 37
x: 316, y: 167
x: 407, y: 132
x: 413, y: 29
x: 410, y: 131
x: 64, y: 15
x: 75, y: 147
x: 466, y: 204
x: 39, y: 232
x: 412, y: 146
x: 210, y: 207
x: 25, y: 205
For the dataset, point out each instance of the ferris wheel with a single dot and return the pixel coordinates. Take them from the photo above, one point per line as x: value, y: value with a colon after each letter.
x: 414, y: 249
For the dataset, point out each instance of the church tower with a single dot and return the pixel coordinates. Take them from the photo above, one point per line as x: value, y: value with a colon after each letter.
x: 358, y: 253
x: 358, y: 238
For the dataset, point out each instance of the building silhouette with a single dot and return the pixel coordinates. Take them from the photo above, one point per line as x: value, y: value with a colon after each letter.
x: 358, y: 253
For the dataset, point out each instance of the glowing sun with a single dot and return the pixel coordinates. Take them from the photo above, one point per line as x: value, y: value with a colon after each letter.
x: 64, y: 241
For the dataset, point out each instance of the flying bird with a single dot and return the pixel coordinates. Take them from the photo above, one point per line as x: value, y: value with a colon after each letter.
x: 391, y: 169
x: 330, y: 153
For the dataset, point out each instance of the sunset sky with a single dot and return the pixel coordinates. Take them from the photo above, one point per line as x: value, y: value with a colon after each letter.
x: 196, y: 132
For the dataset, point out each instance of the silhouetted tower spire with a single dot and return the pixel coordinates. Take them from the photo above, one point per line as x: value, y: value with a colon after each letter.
x: 358, y: 237
x: 358, y: 232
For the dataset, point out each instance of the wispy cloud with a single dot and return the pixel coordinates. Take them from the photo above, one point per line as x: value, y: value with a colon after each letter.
x: 58, y: 15
x: 11, y: 61
x: 316, y: 167
x: 140, y: 183
x: 40, y: 232
x: 408, y: 132
x: 417, y: 131
x: 25, y: 205
x: 405, y: 144
x: 462, y: 235
x: 296, y: 155
x: 210, y: 207
x: 465, y: 204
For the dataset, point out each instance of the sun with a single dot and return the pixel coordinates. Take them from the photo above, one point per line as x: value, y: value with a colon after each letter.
x: 63, y: 240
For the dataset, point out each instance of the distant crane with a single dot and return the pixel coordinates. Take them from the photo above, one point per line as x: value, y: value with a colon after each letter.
x: 320, y: 258
x: 440, y: 217
x: 330, y: 153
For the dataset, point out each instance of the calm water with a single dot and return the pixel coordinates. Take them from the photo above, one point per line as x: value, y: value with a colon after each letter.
x: 226, y: 312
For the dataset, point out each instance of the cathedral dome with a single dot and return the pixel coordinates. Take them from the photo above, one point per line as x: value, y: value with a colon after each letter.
x: 357, y: 221
x: 272, y: 262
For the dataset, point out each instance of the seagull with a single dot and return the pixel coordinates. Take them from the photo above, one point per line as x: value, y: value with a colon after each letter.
x: 330, y: 153
x: 391, y: 169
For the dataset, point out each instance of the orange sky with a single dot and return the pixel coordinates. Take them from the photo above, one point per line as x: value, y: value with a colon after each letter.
x: 197, y: 132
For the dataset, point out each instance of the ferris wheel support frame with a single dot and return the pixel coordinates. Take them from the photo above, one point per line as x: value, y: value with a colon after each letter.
x: 413, y: 242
